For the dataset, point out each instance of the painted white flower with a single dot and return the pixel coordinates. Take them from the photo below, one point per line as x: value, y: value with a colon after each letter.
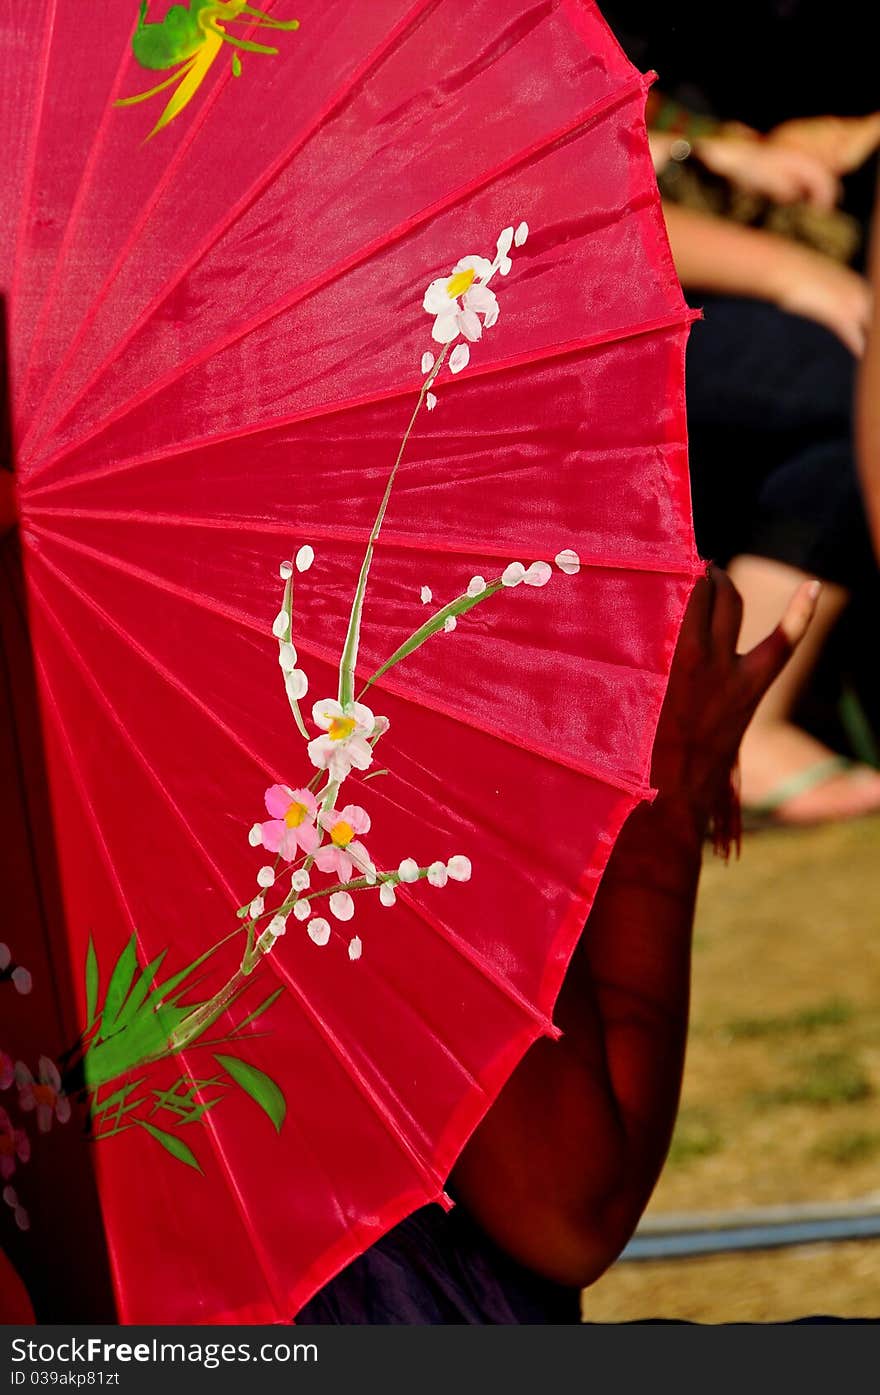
x: 387, y: 894
x: 513, y: 575
x: 459, y: 868
x: 538, y: 574
x: 287, y: 657
x: 427, y: 361
x: 255, y: 835
x: 476, y: 586
x: 438, y: 874
x: 278, y: 926
x: 342, y: 905
x: 302, y: 909
x: 568, y: 561
x: 457, y: 301
x: 266, y: 877
x: 285, y: 571
x: 408, y: 871
x: 459, y: 358
x: 355, y: 947
x: 346, y: 744
x: 319, y: 930
x: 281, y: 625
x: 304, y: 558
x: 301, y: 881
x: 430, y: 401
x: 449, y: 624
x: 426, y: 595
x: 296, y: 683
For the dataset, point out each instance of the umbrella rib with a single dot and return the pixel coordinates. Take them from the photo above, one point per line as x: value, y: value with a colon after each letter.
x: 117, y: 722
x: 388, y: 540
x: 597, y: 111
x: 595, y: 772
x: 681, y: 320
x: 79, y: 781
x: 374, y: 58
x: 156, y: 665
x: 72, y: 220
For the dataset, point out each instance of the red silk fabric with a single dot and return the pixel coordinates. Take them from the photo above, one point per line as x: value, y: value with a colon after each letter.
x: 216, y: 339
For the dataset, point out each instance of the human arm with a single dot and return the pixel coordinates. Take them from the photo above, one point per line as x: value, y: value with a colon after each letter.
x: 725, y: 258
x: 562, y: 1166
x: 841, y: 143
x: 868, y: 397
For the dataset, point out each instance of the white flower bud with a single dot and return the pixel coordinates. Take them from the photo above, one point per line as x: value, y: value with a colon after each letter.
x: 285, y: 571
x: 304, y: 558
x: 476, y: 586
x: 426, y: 595
x: 296, y: 683
x: 255, y: 835
x: 430, y: 401
x: 438, y: 874
x: 387, y: 894
x: 266, y: 877
x: 278, y: 926
x: 459, y: 358
x: 513, y: 575
x: 521, y: 234
x: 538, y: 574
x: 319, y: 930
x: 355, y: 947
x: 302, y: 909
x: 408, y: 871
x: 256, y: 908
x: 459, y: 868
x: 449, y: 624
x: 287, y: 657
x: 342, y: 905
x: 427, y: 361
x: 505, y: 241
x: 22, y: 980
x: 300, y: 881
x: 568, y: 561
x: 281, y: 625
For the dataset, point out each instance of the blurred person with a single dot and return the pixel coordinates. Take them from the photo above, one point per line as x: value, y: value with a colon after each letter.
x: 770, y: 384
x: 554, y: 1180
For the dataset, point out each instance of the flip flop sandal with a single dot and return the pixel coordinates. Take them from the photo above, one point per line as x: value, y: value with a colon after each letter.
x: 765, y: 813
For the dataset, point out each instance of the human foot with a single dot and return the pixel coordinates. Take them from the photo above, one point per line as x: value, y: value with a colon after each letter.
x: 788, y: 777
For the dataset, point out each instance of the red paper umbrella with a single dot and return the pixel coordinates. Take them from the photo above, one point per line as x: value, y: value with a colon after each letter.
x: 248, y: 261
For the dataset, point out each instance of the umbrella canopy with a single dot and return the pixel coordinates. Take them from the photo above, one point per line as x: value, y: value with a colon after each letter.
x: 218, y: 297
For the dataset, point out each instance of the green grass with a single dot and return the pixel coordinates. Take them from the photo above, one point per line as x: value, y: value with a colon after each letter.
x: 835, y: 1012
x: 696, y: 1136
x: 846, y: 1147
x: 831, y: 1077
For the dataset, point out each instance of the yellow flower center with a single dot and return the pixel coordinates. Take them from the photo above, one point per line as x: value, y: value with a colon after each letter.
x: 459, y: 283
x: 341, y: 834
x: 296, y: 814
x: 341, y: 728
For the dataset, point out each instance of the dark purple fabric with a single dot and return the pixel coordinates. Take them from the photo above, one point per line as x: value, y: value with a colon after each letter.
x: 434, y: 1268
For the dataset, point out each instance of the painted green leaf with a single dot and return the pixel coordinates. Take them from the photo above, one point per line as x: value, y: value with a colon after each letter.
x: 91, y: 982
x: 138, y: 994
x: 459, y: 606
x: 120, y: 983
x: 174, y: 1145
x: 258, y: 1085
x: 258, y: 1012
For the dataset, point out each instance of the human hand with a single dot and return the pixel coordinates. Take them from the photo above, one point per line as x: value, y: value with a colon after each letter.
x: 713, y: 691
x: 841, y: 143
x: 777, y: 171
x: 807, y: 283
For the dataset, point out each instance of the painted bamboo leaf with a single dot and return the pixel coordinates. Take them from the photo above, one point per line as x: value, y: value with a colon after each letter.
x: 91, y: 982
x: 174, y: 1145
x: 258, y: 1012
x: 459, y: 606
x: 139, y: 992
x: 120, y: 983
x: 258, y: 1085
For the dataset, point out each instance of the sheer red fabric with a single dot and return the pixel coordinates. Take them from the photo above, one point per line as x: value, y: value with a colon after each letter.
x: 216, y: 338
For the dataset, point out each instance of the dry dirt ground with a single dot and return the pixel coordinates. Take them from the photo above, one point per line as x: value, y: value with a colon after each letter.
x: 782, y: 1083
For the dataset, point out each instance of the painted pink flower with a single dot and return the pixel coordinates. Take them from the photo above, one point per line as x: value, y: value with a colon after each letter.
x: 292, y: 826
x: 14, y: 1146
x: 44, y: 1094
x: 344, y: 851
